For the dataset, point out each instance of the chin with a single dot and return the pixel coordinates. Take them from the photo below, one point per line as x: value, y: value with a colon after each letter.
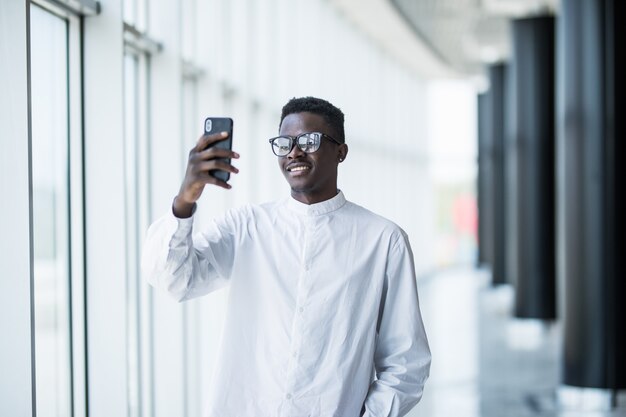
x: 301, y: 188
x: 299, y: 184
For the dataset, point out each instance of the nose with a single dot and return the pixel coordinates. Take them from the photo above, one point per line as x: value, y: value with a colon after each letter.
x: 295, y: 152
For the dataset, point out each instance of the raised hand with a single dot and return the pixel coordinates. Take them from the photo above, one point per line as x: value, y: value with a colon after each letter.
x: 202, y: 159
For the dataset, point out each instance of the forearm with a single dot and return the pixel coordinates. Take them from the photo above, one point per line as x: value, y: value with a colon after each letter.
x: 172, y: 262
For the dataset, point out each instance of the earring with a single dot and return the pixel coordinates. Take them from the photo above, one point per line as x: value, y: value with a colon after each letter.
x: 340, y: 159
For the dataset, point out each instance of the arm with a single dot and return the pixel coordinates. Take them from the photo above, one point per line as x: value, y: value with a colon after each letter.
x: 402, y: 356
x: 173, y: 260
x: 187, y: 266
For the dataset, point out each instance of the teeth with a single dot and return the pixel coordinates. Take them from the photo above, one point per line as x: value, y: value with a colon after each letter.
x: 300, y: 168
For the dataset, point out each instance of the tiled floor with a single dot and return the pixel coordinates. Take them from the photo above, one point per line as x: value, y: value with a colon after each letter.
x: 485, y: 363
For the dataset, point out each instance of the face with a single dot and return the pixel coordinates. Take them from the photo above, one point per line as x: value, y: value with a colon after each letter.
x: 313, y: 176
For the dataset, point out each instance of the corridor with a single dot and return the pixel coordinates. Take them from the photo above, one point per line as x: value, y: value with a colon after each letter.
x: 487, y: 363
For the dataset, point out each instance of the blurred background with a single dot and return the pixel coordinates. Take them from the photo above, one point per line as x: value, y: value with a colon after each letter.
x: 485, y: 128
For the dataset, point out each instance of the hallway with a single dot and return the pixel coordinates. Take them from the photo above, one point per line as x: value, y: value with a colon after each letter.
x: 485, y: 363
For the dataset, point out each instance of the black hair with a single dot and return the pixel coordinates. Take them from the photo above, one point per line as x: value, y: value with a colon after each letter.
x: 331, y: 114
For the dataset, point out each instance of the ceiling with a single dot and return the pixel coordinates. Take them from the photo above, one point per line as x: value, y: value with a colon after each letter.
x: 466, y: 34
x: 443, y: 38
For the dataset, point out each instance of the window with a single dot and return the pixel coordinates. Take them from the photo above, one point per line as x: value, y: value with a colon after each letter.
x: 138, y: 49
x: 57, y: 200
x: 51, y: 228
x: 191, y: 128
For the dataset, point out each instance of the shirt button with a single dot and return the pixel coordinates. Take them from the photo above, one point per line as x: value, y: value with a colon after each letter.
x: 301, y: 309
x: 307, y: 267
x: 294, y: 354
x: 288, y: 396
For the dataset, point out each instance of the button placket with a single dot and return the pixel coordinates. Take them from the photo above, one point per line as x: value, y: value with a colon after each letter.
x: 296, y: 327
x: 308, y: 231
x: 306, y: 267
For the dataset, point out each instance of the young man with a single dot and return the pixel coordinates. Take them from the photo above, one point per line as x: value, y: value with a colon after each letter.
x: 323, y: 317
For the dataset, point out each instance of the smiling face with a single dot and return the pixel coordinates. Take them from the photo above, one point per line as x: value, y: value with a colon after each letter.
x: 312, y: 177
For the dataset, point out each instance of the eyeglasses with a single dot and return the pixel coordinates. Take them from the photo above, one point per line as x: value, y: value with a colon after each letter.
x: 307, y: 142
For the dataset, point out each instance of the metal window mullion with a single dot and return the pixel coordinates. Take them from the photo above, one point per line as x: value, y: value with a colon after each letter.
x: 191, y: 71
x: 145, y: 301
x: 130, y: 153
x: 73, y: 7
x: 76, y: 192
x: 138, y: 42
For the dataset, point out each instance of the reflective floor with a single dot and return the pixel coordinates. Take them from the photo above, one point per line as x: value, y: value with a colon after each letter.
x: 487, y: 364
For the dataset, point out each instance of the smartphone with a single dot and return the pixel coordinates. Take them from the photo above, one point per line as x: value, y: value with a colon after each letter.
x: 215, y: 125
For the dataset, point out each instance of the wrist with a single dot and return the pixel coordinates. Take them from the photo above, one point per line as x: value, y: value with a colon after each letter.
x: 183, y: 209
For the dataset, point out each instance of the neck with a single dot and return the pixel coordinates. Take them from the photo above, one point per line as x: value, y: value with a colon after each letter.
x: 312, y: 198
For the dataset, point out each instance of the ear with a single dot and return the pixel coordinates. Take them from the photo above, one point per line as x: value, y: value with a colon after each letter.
x: 342, y: 152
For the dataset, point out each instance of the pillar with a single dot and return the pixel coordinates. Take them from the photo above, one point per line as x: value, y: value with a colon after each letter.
x: 591, y: 229
x: 532, y: 143
x: 496, y: 132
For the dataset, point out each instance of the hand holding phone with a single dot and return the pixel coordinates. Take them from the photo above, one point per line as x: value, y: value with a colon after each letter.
x: 209, y: 163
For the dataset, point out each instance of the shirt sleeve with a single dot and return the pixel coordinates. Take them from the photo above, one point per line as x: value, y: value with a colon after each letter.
x: 187, y: 265
x: 402, y: 356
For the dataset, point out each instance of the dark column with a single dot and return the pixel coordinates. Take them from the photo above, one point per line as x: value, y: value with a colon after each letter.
x: 510, y: 178
x: 496, y: 132
x: 533, y: 141
x: 485, y: 178
x: 591, y: 229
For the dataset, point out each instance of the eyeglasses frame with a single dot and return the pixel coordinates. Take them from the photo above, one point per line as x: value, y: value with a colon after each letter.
x: 294, y: 141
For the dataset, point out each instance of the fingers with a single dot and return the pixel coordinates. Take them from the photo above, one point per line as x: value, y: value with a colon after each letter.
x: 223, y: 184
x: 207, y: 178
x: 204, y: 158
x: 215, y: 164
x: 206, y: 140
x: 214, y: 152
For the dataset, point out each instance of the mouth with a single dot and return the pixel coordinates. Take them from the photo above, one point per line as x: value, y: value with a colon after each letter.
x: 297, y: 168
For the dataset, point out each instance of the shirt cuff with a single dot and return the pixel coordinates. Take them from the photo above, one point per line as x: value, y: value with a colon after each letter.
x: 179, y: 227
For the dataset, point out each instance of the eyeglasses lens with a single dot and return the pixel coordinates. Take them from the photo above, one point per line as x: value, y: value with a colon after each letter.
x: 281, y: 146
x: 309, y: 142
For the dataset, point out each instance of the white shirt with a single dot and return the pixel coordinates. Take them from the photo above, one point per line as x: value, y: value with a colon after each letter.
x: 322, y: 317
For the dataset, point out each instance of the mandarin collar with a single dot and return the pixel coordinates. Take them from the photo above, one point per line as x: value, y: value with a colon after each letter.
x: 317, y: 209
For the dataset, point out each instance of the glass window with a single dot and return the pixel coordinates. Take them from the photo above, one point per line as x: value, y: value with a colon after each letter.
x: 135, y: 13
x: 130, y: 174
x: 192, y: 125
x: 139, y: 295
x: 51, y: 213
x: 192, y: 128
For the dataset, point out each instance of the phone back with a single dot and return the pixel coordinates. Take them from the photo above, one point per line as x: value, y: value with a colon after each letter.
x: 214, y: 125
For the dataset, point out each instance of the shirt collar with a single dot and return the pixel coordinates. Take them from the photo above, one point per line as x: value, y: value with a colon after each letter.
x: 317, y: 209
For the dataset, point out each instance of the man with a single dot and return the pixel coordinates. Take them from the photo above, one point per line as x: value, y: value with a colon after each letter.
x: 323, y: 317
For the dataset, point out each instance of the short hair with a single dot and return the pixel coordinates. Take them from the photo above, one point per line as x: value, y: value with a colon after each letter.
x: 331, y: 114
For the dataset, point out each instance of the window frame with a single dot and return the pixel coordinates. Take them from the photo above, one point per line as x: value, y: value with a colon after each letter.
x: 75, y: 178
x: 139, y: 47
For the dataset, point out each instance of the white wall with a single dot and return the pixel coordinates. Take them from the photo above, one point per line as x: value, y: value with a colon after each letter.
x: 16, y: 397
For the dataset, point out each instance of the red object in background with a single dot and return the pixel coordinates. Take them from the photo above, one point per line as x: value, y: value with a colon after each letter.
x: 465, y: 214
